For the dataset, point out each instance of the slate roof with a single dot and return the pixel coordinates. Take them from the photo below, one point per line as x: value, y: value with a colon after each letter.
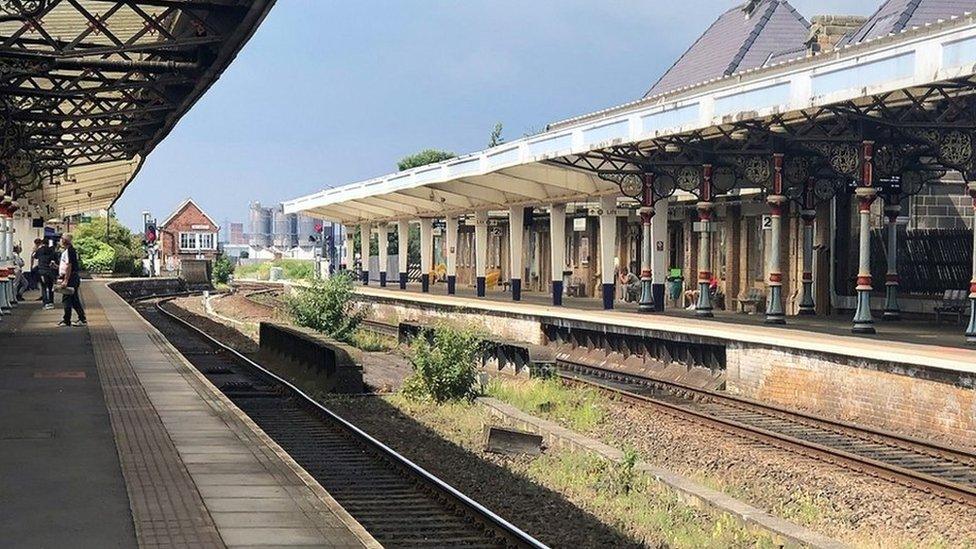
x: 735, y: 42
x: 897, y: 15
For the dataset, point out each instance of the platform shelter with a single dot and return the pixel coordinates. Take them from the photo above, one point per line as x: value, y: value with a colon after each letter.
x: 778, y: 183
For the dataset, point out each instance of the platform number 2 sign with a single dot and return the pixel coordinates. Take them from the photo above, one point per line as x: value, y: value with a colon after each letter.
x: 767, y: 222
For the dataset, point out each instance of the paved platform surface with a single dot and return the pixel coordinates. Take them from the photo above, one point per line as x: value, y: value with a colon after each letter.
x: 110, y: 439
x: 917, y: 343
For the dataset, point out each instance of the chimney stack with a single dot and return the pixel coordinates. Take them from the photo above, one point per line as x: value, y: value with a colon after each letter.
x: 827, y: 30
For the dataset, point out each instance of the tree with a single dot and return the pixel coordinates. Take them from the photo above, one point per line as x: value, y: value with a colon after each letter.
x: 222, y: 269
x: 327, y: 306
x: 496, y: 138
x: 108, y: 230
x: 424, y: 157
x: 94, y: 255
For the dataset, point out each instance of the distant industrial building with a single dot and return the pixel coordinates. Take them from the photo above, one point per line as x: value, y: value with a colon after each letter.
x: 275, y: 233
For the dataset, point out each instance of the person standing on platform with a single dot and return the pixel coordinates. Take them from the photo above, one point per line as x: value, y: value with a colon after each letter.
x: 20, y: 281
x: 70, y: 284
x: 46, y: 259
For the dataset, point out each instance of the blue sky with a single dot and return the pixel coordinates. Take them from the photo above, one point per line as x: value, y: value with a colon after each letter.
x: 328, y: 92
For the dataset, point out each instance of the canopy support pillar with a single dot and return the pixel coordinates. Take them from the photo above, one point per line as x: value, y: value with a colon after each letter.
x: 608, y: 239
x: 349, y: 263
x: 647, y: 211
x: 364, y: 236
x: 775, y: 312
x: 403, y: 251
x: 516, y: 237
x: 659, y: 232
x: 703, y: 308
x: 557, y: 235
x: 382, y: 242
x: 807, y: 305
x: 452, y: 236
x: 892, y: 311
x: 426, y: 252
x: 480, y: 250
x: 971, y: 329
x: 863, y: 323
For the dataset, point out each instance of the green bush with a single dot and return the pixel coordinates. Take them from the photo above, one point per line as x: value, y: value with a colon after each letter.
x: 95, y: 256
x: 292, y: 269
x: 327, y: 306
x: 444, y: 366
x: 222, y: 269
x: 296, y: 269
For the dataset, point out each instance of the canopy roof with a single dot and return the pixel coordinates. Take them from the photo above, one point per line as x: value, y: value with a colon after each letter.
x: 914, y: 81
x: 89, y: 87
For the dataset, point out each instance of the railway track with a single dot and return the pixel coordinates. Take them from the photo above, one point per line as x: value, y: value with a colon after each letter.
x: 922, y: 465
x: 399, y: 503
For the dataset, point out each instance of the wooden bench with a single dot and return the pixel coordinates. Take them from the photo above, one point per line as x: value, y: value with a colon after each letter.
x: 954, y: 302
x: 753, y: 297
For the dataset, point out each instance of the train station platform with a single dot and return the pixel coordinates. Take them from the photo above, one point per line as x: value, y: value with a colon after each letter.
x: 109, y: 438
x: 920, y: 342
x: 912, y: 376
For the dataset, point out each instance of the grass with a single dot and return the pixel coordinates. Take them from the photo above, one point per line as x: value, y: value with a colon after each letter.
x: 636, y: 504
x: 369, y: 341
x: 580, y: 409
x: 616, y: 493
x: 292, y: 269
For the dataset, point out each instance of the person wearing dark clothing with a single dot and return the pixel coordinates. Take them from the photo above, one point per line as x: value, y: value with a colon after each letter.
x: 45, y: 260
x: 70, y: 286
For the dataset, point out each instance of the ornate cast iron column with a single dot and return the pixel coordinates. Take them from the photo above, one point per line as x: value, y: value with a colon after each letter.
x: 866, y: 194
x: 891, y: 309
x: 809, y: 216
x: 775, y: 313
x: 646, y: 304
x: 5, y: 271
x: 705, y: 207
x: 971, y: 329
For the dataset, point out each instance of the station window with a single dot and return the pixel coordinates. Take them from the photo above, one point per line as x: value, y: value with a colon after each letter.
x: 197, y: 241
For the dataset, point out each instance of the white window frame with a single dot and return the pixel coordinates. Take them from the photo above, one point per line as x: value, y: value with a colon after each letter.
x: 195, y: 239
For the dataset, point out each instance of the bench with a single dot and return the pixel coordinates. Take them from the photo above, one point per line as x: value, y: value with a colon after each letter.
x: 754, y: 297
x: 954, y: 302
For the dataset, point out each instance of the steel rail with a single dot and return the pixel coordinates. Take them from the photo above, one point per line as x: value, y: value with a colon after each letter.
x: 902, y: 475
x: 503, y: 526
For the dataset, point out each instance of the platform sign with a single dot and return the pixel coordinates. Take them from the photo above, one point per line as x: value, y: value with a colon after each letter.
x: 767, y: 222
x: 579, y: 224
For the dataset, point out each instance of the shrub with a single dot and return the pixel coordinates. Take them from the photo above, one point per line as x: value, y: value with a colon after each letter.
x: 296, y: 269
x: 326, y: 306
x: 95, y: 256
x: 443, y: 365
x: 222, y: 269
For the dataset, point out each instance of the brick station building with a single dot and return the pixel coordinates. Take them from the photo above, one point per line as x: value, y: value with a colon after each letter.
x: 188, y: 233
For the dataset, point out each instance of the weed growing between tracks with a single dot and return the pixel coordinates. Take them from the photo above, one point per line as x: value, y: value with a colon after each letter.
x: 581, y: 410
x: 563, y: 497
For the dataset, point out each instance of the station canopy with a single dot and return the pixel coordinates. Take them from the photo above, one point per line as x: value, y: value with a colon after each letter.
x: 910, y: 93
x: 89, y: 87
